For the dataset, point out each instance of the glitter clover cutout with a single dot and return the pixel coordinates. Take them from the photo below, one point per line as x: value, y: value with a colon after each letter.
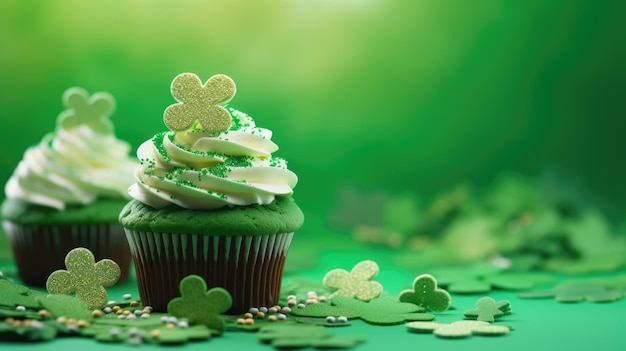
x: 200, y: 102
x: 356, y: 283
x: 426, y: 294
x: 85, y: 277
x: 199, y: 305
x: 93, y: 111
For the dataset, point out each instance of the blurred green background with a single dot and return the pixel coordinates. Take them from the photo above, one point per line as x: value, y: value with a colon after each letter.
x: 403, y: 97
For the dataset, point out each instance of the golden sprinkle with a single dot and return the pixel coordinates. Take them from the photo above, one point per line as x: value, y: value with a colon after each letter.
x: 240, y: 321
x: 62, y: 320
x: 156, y: 334
x: 43, y: 313
x: 126, y: 313
x: 170, y: 326
x: 247, y: 315
x: 97, y: 313
x: 134, y: 303
x: 82, y: 323
x: 71, y: 321
x: 146, y: 310
x: 272, y: 318
x: 260, y: 315
x: 248, y: 321
x: 116, y: 308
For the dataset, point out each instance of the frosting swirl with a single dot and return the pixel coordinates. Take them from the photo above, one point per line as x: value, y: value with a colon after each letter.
x: 72, y: 167
x: 197, y: 169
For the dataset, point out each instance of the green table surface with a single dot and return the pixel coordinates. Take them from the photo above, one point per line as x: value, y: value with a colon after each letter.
x: 538, y: 324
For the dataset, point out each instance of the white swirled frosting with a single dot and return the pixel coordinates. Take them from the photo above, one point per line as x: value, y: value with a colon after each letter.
x: 197, y: 170
x: 72, y: 167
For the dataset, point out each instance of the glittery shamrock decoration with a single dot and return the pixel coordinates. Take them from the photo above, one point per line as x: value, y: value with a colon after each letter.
x: 385, y: 310
x: 93, y: 111
x: 84, y: 277
x: 426, y: 294
x: 200, y: 102
x: 487, y: 309
x: 356, y: 283
x: 199, y: 305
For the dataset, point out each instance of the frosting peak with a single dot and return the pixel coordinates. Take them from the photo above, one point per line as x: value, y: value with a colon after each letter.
x: 79, y: 162
x: 205, y: 167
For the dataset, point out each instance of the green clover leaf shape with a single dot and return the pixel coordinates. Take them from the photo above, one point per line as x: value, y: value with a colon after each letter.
x: 93, y: 111
x: 299, y: 336
x: 487, y: 309
x: 457, y: 330
x: 84, y: 277
x: 199, y: 305
x: 571, y: 292
x: 12, y: 295
x: 200, y: 102
x: 356, y: 283
x: 426, y: 294
x: 384, y: 310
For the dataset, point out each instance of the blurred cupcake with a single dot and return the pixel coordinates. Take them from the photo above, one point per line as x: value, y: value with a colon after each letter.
x: 210, y: 199
x: 68, y: 191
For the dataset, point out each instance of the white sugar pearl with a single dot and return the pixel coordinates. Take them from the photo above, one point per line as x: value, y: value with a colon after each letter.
x: 263, y: 309
x: 253, y: 310
x: 330, y: 319
x: 127, y: 296
x: 183, y: 324
x: 138, y: 312
x: 20, y: 308
x: 165, y: 319
x: 342, y: 319
x: 301, y: 305
x: 281, y: 317
x: 131, y: 316
x: 291, y: 297
x: 133, y: 331
x: 286, y: 310
x: 311, y: 293
x: 121, y: 316
x: 107, y: 310
x: 145, y: 315
x: 114, y: 331
x: 272, y: 310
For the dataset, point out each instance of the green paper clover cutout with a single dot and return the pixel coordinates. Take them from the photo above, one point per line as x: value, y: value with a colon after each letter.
x: 93, y: 111
x: 571, y: 292
x: 84, y: 277
x: 426, y: 294
x: 66, y: 306
x: 487, y: 309
x: 459, y: 329
x: 199, y: 305
x: 384, y: 310
x: 12, y: 295
x: 356, y: 283
x: 482, y: 279
x: 200, y: 102
x: 298, y: 336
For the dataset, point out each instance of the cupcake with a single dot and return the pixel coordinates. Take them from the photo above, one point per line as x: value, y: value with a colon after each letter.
x: 68, y: 191
x: 210, y: 199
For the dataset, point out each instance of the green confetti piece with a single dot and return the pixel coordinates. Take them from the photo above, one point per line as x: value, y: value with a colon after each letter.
x: 355, y: 283
x: 576, y: 292
x: 200, y: 306
x: 298, y: 336
x: 66, y: 306
x: 84, y: 277
x: 384, y: 310
x: 426, y: 294
x: 457, y: 330
x: 12, y: 295
x: 200, y: 103
x: 28, y: 330
x: 487, y: 309
x: 93, y: 111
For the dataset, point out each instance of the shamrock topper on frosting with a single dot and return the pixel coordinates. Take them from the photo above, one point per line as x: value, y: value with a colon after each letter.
x: 200, y: 102
x: 93, y: 111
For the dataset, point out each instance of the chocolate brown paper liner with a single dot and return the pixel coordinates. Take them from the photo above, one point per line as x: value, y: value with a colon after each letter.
x: 39, y: 250
x: 249, y: 267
